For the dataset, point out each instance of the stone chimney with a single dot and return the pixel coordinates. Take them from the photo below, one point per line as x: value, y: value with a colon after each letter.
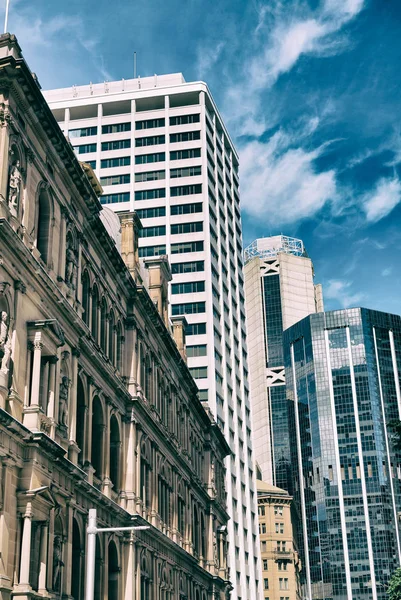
x: 130, y: 228
x: 179, y: 325
x: 159, y: 274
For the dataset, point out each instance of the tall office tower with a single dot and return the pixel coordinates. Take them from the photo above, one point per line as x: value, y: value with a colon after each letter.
x: 279, y: 291
x: 159, y: 147
x: 343, y: 383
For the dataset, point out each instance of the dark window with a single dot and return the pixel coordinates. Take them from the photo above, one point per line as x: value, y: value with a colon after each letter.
x: 186, y: 190
x: 83, y: 132
x: 144, y: 159
x: 186, y: 209
x: 149, y: 213
x: 122, y: 161
x: 150, y: 176
x: 152, y: 140
x: 184, y: 136
x: 114, y: 198
x: 185, y: 119
x: 152, y: 231
x: 185, y: 172
x: 187, y: 227
x: 116, y: 128
x: 115, y: 179
x: 184, y: 154
x: 188, y: 267
x: 150, y: 194
x: 195, y: 329
x: 189, y: 308
x: 151, y: 251
x: 188, y: 287
x: 150, y: 124
x: 116, y: 145
x: 183, y: 247
x: 85, y: 148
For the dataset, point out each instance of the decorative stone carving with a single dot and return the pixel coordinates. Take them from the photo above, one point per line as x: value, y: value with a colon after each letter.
x: 71, y: 264
x: 57, y: 563
x: 14, y: 187
x: 63, y: 401
x: 5, y: 343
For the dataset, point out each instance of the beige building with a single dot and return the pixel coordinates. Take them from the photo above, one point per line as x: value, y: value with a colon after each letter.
x: 279, y: 291
x: 97, y: 406
x: 279, y: 554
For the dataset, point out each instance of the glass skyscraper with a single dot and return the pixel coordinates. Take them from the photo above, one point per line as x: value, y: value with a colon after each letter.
x: 343, y: 391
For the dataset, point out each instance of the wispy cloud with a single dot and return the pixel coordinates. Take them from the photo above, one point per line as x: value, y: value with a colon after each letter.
x: 207, y: 57
x: 280, y: 183
x: 386, y: 272
x: 37, y: 34
x: 340, y: 290
x: 378, y: 203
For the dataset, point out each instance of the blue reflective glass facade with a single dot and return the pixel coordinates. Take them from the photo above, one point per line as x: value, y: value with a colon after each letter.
x: 343, y: 389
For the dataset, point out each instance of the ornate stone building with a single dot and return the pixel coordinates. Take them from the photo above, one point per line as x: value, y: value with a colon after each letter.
x: 97, y: 406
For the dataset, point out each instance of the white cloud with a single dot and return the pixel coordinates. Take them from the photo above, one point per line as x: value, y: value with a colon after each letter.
x: 340, y: 290
x: 378, y: 203
x: 387, y: 272
x: 207, y: 57
x: 282, y: 37
x: 280, y: 183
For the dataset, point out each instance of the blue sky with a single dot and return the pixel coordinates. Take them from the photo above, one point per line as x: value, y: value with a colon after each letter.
x: 310, y: 92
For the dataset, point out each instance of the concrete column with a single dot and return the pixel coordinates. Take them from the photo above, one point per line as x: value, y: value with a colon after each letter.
x: 131, y: 467
x: 26, y: 547
x: 43, y: 558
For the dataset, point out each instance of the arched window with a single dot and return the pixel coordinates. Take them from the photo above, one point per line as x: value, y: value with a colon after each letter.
x: 195, y: 529
x: 164, y: 497
x: 145, y: 479
x: 115, y: 450
x: 86, y: 298
x: 112, y: 333
x: 119, y: 362
x: 81, y: 418
x: 148, y: 379
x: 43, y: 219
x: 76, y: 571
x: 145, y: 580
x: 98, y: 427
x: 94, y: 316
x: 113, y: 572
x: 103, y: 325
x: 203, y: 537
x: 98, y: 571
x: 181, y: 510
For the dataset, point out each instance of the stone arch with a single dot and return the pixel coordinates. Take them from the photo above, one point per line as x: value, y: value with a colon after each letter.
x: 115, y: 452
x: 113, y: 571
x: 119, y: 347
x: 81, y: 419
x: 103, y: 324
x: 112, y: 335
x: 77, y: 557
x: 43, y: 221
x: 95, y: 312
x: 98, y: 428
x: 86, y: 286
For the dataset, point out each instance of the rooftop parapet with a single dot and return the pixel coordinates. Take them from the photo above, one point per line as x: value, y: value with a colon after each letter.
x: 270, y: 247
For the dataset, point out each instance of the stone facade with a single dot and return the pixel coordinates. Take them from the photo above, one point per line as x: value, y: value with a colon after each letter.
x: 280, y: 560
x: 97, y: 406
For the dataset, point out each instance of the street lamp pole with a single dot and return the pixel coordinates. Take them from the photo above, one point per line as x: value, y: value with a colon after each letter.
x: 92, y: 531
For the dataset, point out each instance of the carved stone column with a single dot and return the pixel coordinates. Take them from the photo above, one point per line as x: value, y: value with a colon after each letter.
x: 130, y: 573
x: 26, y: 549
x: 31, y: 416
x: 107, y: 484
x: 131, y: 466
x: 73, y: 447
x: 52, y: 394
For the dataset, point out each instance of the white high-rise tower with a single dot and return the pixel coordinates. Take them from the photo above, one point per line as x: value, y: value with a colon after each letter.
x: 159, y: 147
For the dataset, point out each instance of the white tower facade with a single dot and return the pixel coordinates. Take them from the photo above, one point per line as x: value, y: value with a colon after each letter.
x: 279, y: 291
x: 158, y: 146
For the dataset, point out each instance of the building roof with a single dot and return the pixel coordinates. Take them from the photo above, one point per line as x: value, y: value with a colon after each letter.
x: 267, y: 488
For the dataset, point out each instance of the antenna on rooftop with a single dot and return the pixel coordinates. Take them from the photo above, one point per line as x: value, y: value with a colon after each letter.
x: 6, y: 16
x: 134, y: 65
